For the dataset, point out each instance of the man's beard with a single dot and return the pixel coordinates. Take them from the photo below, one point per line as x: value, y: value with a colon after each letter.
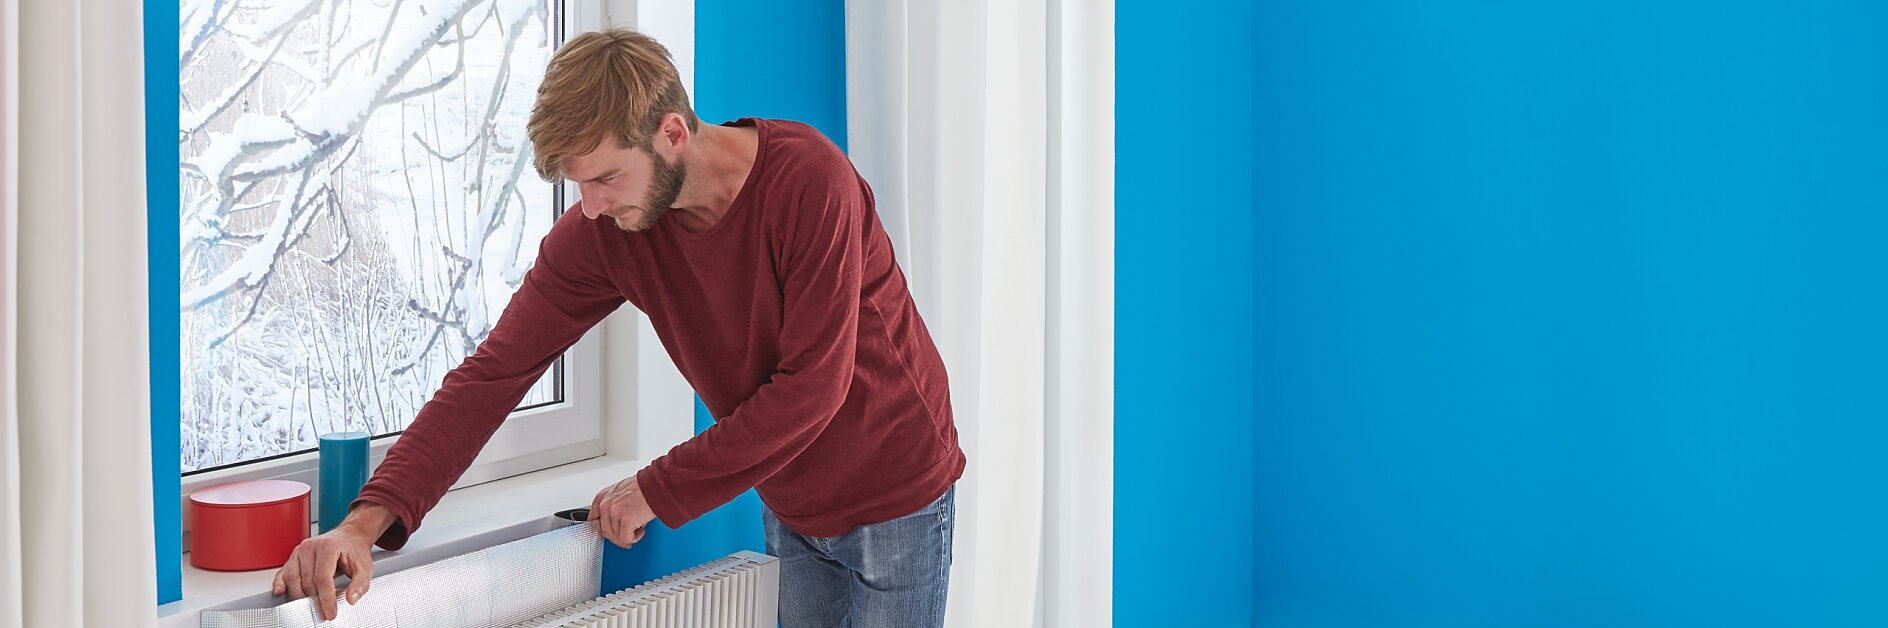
x: 665, y: 186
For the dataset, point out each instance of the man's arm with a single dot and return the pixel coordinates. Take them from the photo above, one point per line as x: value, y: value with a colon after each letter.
x: 368, y: 519
x: 551, y: 310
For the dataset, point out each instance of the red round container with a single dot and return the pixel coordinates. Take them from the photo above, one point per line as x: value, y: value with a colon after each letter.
x: 244, y: 526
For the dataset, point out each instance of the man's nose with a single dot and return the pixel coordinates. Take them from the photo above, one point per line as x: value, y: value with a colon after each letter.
x: 592, y: 206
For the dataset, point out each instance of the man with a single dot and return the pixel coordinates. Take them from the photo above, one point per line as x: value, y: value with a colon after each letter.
x: 755, y: 250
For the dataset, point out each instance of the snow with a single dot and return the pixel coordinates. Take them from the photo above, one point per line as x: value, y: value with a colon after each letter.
x: 336, y: 109
x: 296, y: 152
x: 516, y: 11
x: 272, y: 20
x: 256, y: 129
x: 250, y: 132
x: 252, y: 267
x: 196, y: 16
x: 214, y: 161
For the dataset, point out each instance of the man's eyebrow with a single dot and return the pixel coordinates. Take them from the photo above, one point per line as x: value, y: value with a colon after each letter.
x: 600, y: 177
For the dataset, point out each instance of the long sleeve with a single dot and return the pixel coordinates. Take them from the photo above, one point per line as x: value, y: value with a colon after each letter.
x: 821, y: 274
x: 551, y: 310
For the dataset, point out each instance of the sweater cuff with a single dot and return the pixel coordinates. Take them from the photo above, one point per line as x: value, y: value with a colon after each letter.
x: 661, y: 500
x: 396, y: 535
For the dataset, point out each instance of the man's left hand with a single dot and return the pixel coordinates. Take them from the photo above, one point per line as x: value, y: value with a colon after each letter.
x: 621, y: 513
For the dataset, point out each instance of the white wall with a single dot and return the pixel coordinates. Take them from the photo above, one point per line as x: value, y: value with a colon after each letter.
x: 648, y: 407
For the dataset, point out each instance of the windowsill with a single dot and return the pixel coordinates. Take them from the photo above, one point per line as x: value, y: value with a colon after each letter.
x: 462, y: 513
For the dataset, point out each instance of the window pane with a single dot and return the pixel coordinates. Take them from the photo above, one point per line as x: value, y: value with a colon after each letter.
x: 358, y: 206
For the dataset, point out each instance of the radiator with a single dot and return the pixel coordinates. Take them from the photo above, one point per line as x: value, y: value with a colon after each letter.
x: 740, y: 591
x: 543, y: 574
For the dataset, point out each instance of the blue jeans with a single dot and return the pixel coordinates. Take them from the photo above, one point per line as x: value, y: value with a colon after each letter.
x: 893, y: 573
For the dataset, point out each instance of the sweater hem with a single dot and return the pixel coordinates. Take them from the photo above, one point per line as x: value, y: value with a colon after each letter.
x: 944, y: 473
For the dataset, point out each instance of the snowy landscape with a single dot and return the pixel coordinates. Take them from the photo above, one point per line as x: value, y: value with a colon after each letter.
x: 357, y: 207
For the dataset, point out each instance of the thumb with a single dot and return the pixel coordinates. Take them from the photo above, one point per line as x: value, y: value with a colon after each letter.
x: 360, y: 576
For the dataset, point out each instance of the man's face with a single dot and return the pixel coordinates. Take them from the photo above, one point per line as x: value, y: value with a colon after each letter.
x: 632, y: 186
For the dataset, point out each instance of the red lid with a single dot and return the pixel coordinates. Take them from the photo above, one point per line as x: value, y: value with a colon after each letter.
x: 250, y: 493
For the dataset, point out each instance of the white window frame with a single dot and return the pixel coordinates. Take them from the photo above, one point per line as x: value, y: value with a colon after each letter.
x: 530, y: 440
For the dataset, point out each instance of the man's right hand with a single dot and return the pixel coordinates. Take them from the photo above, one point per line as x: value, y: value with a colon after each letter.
x: 348, y: 548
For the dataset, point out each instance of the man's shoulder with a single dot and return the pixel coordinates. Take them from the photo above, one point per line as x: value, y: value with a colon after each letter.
x: 807, y: 173
x: 804, y: 150
x: 792, y: 130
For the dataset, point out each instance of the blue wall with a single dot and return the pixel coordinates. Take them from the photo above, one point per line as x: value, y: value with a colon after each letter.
x: 160, y: 167
x: 772, y: 59
x: 1566, y: 316
x: 1183, y: 314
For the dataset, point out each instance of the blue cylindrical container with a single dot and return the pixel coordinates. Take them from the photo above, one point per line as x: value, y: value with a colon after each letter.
x: 343, y: 473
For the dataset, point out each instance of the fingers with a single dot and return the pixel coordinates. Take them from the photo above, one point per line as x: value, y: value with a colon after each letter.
x: 324, y: 596
x: 603, y: 515
x: 306, y: 567
x: 610, y: 529
x: 291, y: 578
x: 622, y: 534
x: 596, y: 512
x: 312, y: 568
x: 611, y: 512
x: 318, y: 579
x: 361, y: 573
x: 291, y: 575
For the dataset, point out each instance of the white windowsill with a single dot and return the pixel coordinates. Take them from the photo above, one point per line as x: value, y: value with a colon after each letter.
x: 462, y: 513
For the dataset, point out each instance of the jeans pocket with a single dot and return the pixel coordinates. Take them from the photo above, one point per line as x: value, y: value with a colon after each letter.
x: 947, y: 504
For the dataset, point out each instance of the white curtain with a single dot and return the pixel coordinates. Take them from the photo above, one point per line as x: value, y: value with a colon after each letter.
x: 986, y: 128
x: 75, y: 482
x: 10, y: 594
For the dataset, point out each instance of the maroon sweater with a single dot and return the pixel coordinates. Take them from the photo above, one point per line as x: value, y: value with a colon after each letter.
x: 790, y: 318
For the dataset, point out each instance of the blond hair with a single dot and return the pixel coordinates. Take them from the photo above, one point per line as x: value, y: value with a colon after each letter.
x: 615, y: 83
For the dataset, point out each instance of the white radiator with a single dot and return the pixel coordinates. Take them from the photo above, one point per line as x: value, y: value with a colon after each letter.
x: 740, y: 591
x: 522, y: 576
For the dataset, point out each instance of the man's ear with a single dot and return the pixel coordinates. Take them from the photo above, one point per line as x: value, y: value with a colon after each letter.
x: 672, y: 136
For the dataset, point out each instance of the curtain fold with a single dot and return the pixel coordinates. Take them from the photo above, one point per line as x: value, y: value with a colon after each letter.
x: 10, y: 586
x: 76, y: 484
x: 986, y: 130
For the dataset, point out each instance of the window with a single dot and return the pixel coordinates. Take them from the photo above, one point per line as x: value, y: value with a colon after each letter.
x: 357, y: 207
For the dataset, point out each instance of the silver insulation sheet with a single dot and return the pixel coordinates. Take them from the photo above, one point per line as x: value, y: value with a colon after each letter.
x: 498, y: 586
